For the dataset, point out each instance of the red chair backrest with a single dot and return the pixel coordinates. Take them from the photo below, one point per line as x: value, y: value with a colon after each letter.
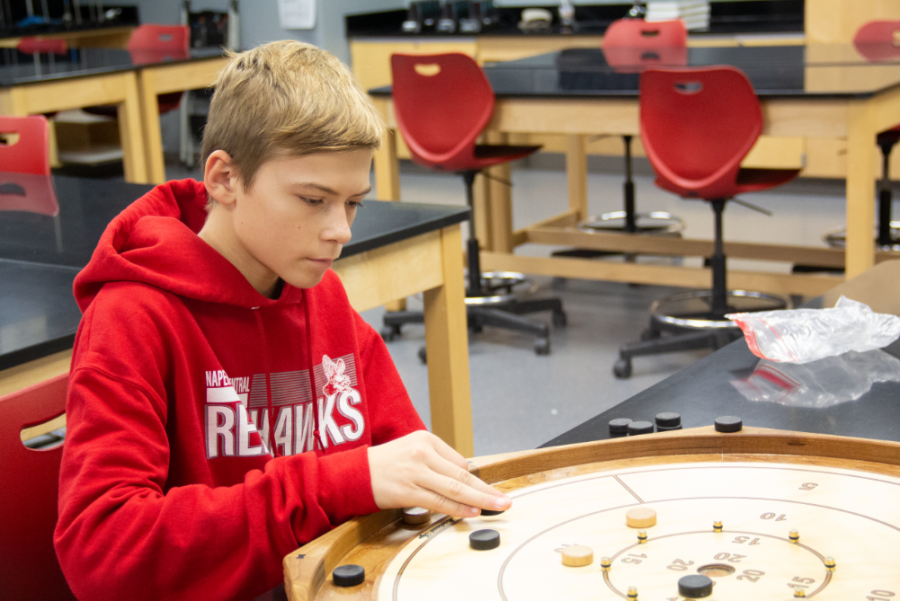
x: 28, y: 495
x: 632, y: 45
x: 637, y: 33
x: 36, y: 45
x: 31, y: 154
x: 878, y: 40
x: 696, y: 127
x: 442, y: 103
x: 155, y: 43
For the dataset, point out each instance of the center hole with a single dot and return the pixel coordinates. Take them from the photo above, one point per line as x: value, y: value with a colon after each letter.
x: 715, y: 570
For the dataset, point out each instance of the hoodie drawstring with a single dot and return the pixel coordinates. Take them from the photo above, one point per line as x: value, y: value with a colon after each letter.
x: 266, y: 368
x: 312, y: 375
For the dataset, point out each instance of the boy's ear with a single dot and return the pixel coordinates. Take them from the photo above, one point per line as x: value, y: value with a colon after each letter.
x: 221, y: 177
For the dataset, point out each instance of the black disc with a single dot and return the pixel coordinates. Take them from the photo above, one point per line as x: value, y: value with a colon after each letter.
x: 668, y: 420
x: 695, y: 586
x: 619, y: 426
x: 491, y: 512
x: 349, y: 575
x: 484, y: 540
x: 729, y: 423
x: 661, y: 429
x: 635, y: 428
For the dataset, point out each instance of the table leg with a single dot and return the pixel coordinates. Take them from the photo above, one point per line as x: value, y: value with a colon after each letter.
x: 131, y: 132
x: 576, y: 174
x: 499, y: 201
x: 387, y: 185
x: 861, y: 174
x: 156, y: 166
x: 446, y: 341
x: 387, y: 168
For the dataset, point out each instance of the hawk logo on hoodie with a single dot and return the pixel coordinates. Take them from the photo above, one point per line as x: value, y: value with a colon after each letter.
x: 239, y: 423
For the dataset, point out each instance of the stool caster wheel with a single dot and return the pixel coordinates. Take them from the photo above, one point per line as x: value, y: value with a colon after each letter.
x: 622, y: 369
x: 388, y: 333
x: 423, y: 355
x: 649, y: 334
x: 542, y: 346
x: 559, y: 319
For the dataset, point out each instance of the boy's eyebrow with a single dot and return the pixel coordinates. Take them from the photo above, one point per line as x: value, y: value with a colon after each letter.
x: 328, y: 190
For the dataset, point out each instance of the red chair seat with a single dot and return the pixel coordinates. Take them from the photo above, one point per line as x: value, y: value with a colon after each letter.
x: 488, y: 154
x: 891, y: 136
x: 753, y: 180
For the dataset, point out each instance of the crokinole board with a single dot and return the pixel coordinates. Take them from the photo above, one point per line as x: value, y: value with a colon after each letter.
x: 839, y: 498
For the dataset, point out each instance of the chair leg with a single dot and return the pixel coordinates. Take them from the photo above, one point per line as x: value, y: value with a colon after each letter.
x: 628, y: 190
x: 508, y: 315
x: 501, y: 318
x: 392, y: 321
x: 473, y: 249
x: 717, y: 264
x: 687, y: 341
x: 885, y: 198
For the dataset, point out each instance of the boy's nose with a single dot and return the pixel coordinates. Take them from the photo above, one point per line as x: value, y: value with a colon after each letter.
x: 339, y: 228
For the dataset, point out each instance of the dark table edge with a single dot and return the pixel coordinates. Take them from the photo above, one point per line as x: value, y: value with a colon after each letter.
x: 405, y: 233
x: 386, y: 92
x: 38, y: 351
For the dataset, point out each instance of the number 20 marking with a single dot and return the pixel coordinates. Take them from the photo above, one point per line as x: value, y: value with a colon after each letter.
x: 751, y: 575
x: 679, y: 565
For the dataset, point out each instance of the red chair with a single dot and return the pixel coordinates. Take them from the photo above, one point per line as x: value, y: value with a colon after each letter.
x: 28, y: 497
x: 155, y: 43
x: 632, y: 46
x: 152, y: 44
x: 697, y: 125
x: 25, y: 184
x: 42, y: 46
x: 31, y: 153
x: 442, y: 104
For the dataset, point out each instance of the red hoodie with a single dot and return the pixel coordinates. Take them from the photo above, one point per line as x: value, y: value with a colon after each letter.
x: 195, y: 455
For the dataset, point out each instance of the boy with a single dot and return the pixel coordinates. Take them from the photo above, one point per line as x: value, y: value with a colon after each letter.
x: 226, y: 404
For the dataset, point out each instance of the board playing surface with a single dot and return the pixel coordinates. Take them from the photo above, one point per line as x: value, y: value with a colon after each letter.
x: 843, y: 510
x: 850, y: 516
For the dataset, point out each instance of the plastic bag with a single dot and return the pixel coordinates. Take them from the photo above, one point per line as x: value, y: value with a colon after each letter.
x: 804, y: 335
x: 824, y: 383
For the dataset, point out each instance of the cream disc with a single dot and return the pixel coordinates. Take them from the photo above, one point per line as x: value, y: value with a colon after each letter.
x: 640, y: 517
x: 577, y: 555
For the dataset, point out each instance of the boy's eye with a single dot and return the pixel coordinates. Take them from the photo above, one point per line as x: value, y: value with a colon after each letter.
x: 311, y: 201
x: 355, y: 204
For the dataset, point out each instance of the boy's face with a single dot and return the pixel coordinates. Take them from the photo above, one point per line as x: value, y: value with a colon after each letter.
x: 294, y: 219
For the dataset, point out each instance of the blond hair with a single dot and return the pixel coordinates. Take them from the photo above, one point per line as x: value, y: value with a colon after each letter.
x: 287, y: 98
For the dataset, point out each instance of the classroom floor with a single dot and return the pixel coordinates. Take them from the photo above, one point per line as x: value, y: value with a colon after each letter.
x: 521, y: 400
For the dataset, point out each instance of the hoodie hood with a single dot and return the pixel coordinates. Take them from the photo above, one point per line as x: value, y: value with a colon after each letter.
x: 154, y: 241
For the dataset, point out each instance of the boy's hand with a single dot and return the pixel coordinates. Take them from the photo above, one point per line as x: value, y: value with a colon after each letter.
x: 421, y: 470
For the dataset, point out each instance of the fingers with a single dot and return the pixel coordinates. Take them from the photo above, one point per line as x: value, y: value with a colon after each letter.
x: 422, y: 470
x: 460, y: 493
x: 448, y: 452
